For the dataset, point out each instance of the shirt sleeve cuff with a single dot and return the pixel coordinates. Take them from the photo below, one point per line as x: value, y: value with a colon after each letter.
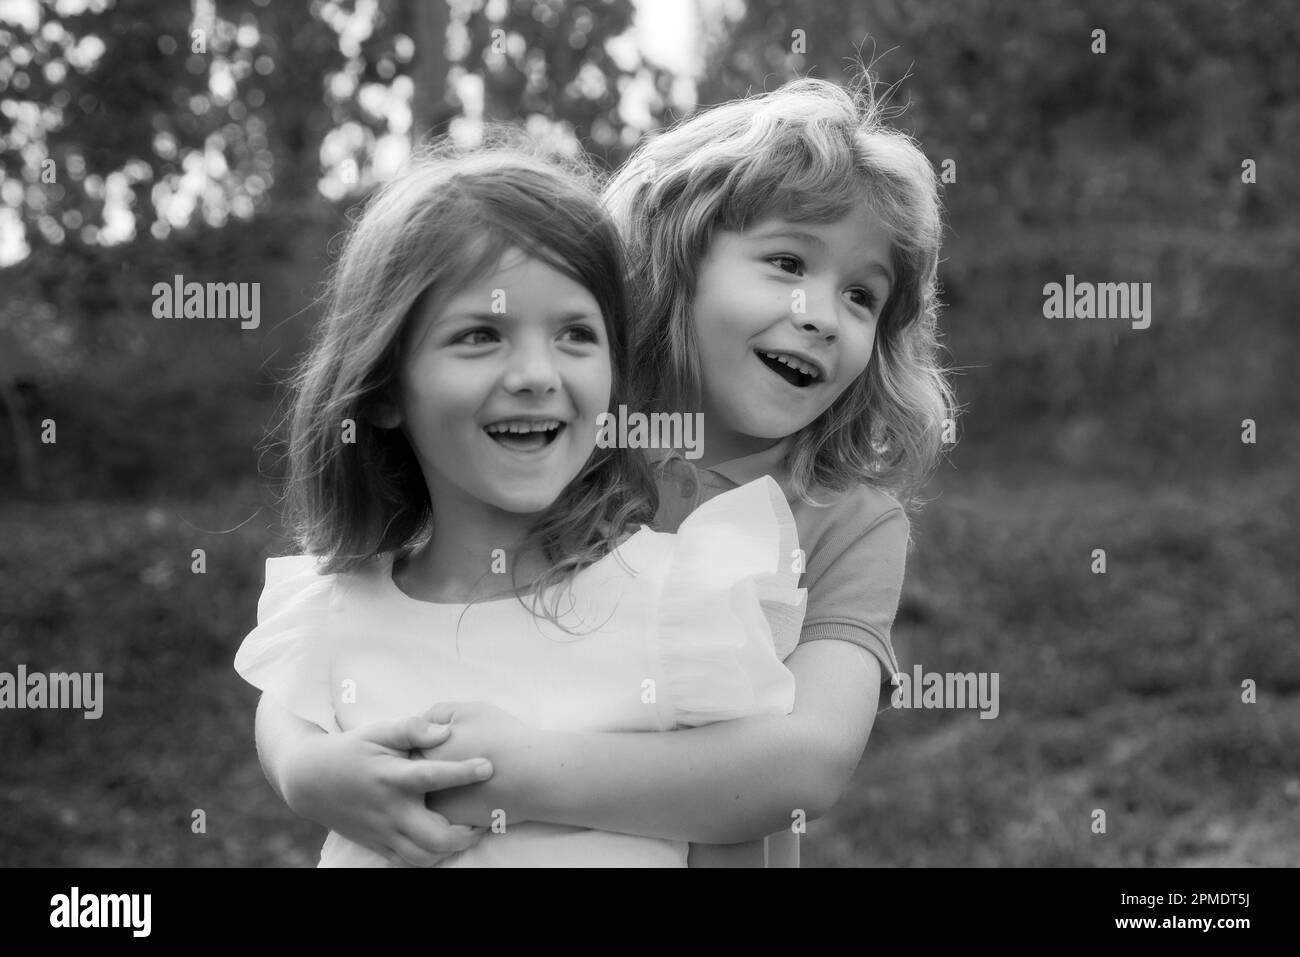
x: 863, y: 638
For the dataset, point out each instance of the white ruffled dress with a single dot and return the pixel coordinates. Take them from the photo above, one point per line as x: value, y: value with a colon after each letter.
x: 673, y: 631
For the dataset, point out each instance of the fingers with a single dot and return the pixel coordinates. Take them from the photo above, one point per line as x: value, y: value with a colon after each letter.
x: 429, y: 839
x: 406, y: 853
x: 441, y: 713
x: 422, y: 734
x: 427, y: 775
x: 406, y: 734
x: 431, y: 834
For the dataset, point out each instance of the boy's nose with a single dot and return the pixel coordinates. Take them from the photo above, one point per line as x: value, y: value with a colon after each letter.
x: 822, y: 328
x: 821, y: 318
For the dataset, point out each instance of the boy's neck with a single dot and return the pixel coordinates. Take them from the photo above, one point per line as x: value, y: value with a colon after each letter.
x: 725, y: 447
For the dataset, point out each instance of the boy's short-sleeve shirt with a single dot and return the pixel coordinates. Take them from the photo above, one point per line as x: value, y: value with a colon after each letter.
x: 854, y: 545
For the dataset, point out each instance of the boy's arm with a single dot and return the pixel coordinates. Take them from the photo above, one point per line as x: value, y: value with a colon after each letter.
x: 718, y: 784
x: 736, y: 780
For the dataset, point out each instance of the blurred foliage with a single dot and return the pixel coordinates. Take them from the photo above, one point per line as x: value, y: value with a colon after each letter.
x: 145, y: 97
x: 148, y: 105
x: 1042, y: 127
x: 267, y: 86
x: 1119, y: 691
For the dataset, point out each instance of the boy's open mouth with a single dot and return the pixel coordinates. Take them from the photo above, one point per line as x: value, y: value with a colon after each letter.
x: 794, y: 371
x: 523, y: 435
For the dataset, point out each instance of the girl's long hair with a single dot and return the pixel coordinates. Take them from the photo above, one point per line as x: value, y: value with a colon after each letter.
x: 445, y: 222
x: 810, y: 151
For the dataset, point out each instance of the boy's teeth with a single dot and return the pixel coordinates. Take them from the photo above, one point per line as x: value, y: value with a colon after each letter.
x: 794, y: 364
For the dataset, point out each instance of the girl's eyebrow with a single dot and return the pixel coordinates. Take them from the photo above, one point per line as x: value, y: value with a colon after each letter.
x: 499, y: 318
x: 782, y: 230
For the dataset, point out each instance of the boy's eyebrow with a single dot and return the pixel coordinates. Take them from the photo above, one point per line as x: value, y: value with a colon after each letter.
x: 794, y: 232
x: 880, y: 270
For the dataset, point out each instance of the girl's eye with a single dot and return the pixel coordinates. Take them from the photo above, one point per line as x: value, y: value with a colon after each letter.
x: 582, y: 334
x: 790, y: 264
x: 865, y: 298
x: 475, y: 337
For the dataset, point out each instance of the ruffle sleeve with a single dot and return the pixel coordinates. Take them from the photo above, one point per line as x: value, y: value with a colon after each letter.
x: 730, y: 610
x: 288, y: 654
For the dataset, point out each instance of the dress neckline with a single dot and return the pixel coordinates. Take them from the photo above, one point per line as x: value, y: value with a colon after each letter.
x: 618, y: 552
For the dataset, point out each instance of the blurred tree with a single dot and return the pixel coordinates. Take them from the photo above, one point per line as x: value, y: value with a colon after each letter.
x: 1042, y: 126
x: 152, y: 138
x: 534, y: 58
x: 136, y: 105
x: 431, y: 110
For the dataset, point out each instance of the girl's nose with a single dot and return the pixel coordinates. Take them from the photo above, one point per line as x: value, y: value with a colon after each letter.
x: 532, y: 369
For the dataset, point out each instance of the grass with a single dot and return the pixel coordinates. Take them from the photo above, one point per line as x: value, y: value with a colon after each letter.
x: 1119, y: 692
x: 109, y: 587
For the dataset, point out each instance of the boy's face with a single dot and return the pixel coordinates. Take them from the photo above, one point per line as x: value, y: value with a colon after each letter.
x: 785, y: 318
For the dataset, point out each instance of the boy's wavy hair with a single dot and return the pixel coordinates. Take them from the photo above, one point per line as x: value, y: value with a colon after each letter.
x: 442, y: 223
x: 810, y: 151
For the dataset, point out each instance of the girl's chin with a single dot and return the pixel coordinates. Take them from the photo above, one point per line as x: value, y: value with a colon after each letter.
x: 526, y: 500
x: 521, y: 503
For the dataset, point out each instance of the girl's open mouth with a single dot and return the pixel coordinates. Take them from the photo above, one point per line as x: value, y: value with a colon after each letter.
x: 787, y: 369
x: 524, y: 436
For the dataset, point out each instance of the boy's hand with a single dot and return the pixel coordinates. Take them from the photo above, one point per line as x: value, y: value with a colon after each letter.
x: 365, y: 785
x: 482, y: 729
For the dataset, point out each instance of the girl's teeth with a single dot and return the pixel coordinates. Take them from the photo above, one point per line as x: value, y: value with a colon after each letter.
x: 522, y: 427
x: 525, y: 436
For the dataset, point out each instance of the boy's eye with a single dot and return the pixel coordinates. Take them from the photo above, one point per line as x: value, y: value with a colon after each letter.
x: 865, y: 298
x: 790, y: 264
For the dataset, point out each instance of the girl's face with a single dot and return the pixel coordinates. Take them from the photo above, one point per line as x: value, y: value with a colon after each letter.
x: 501, y: 387
x: 785, y: 319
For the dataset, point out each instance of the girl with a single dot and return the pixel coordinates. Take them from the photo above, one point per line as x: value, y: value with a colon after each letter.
x: 785, y: 252
x: 474, y: 335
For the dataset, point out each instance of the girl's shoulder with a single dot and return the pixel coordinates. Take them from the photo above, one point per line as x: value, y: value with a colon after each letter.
x: 731, y: 608
x: 287, y: 654
x: 293, y: 578
x: 301, y: 583
x: 287, y: 567
x: 743, y: 527
x: 636, y: 554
